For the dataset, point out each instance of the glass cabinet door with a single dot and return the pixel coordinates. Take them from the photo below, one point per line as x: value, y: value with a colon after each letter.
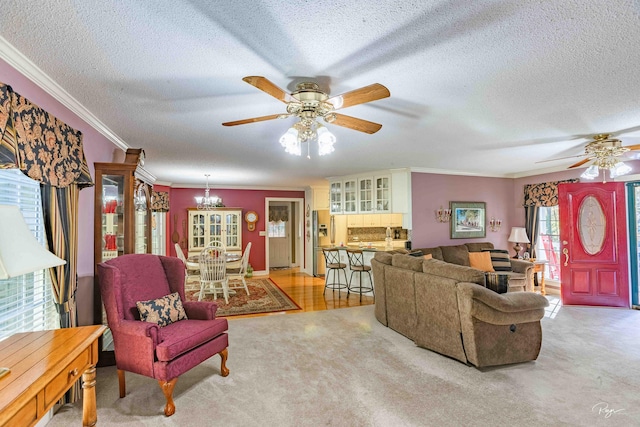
x: 335, y: 197
x: 350, y: 197
x: 366, y: 195
x: 232, y: 221
x: 113, y: 220
x: 383, y: 194
x: 198, y: 235
x: 215, y: 227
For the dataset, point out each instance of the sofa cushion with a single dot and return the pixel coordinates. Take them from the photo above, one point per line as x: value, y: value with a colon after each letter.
x: 458, y: 254
x: 455, y: 272
x: 383, y: 257
x: 427, y: 256
x: 481, y: 261
x: 436, y: 252
x: 500, y: 259
x: 408, y: 262
x: 478, y: 246
x: 162, y: 311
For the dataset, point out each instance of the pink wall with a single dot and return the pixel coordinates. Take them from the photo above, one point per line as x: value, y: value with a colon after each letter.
x: 182, y: 198
x: 97, y: 148
x: 430, y: 191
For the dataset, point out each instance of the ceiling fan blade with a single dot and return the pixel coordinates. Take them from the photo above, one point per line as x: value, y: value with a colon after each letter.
x: 580, y: 163
x: 359, y: 96
x: 633, y: 147
x: 253, y: 120
x: 561, y: 158
x: 356, y: 124
x: 267, y: 86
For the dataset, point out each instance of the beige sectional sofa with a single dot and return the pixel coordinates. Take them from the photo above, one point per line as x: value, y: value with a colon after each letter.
x: 520, y: 278
x: 445, y: 307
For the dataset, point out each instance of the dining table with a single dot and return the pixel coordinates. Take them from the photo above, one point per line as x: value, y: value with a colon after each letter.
x: 230, y: 257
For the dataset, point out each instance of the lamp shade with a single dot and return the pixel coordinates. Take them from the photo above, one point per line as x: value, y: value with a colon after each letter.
x: 518, y: 235
x: 20, y: 252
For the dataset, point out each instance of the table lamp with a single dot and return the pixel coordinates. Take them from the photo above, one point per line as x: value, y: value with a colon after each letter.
x: 20, y: 252
x: 518, y: 235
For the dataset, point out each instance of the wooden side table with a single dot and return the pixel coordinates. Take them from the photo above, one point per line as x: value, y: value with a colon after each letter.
x: 538, y: 267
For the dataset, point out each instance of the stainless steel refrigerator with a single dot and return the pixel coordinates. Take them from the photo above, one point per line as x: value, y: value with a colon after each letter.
x: 320, y: 232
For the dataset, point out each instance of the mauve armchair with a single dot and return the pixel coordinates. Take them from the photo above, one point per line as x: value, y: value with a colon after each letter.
x: 163, y: 353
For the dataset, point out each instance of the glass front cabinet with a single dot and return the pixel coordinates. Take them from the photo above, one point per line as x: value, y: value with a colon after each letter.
x: 223, y: 224
x: 122, y: 223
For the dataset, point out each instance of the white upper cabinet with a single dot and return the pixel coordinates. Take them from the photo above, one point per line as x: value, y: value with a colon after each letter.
x: 350, y: 196
x: 336, y: 197
x: 362, y: 194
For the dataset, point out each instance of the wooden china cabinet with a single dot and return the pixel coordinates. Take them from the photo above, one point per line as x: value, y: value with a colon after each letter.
x: 122, y: 224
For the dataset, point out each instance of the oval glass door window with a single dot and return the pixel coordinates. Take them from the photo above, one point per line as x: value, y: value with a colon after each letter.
x: 591, y: 225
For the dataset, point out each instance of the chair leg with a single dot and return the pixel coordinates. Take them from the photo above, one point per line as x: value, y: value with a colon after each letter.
x: 244, y: 282
x: 202, y: 285
x: 121, y: 383
x: 224, y: 371
x: 225, y: 291
x: 167, y: 388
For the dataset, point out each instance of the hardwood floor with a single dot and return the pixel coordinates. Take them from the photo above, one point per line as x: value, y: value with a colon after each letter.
x: 307, y: 291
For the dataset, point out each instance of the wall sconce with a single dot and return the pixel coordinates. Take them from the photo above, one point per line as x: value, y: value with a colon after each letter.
x: 495, y: 224
x: 443, y: 215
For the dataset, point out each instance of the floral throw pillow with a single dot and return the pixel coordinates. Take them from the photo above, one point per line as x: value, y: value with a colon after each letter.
x: 162, y: 311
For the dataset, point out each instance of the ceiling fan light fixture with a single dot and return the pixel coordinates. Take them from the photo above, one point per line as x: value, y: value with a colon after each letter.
x: 291, y: 142
x: 619, y: 169
x: 591, y: 172
x: 325, y: 141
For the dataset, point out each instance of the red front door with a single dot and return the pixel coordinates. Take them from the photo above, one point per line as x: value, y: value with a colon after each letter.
x: 593, y: 250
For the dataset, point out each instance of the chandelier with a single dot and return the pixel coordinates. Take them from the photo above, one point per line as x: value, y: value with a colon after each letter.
x: 606, y: 155
x: 208, y: 202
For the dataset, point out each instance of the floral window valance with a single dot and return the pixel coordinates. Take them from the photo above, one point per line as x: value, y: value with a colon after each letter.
x: 544, y: 193
x: 43, y: 147
x: 159, y: 201
x: 278, y: 213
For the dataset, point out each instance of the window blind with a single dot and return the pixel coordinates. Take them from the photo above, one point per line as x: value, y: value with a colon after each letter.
x: 26, y: 302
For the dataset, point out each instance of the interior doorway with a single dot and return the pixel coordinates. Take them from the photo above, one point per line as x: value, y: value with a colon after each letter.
x: 284, y: 243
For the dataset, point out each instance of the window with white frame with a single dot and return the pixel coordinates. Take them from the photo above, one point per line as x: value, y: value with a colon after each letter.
x: 26, y: 302
x: 548, y: 245
x: 277, y: 229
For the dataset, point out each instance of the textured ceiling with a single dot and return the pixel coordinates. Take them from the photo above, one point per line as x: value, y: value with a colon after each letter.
x: 484, y: 87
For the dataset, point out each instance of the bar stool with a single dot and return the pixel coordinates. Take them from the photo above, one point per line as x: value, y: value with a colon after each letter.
x: 333, y: 265
x: 356, y: 264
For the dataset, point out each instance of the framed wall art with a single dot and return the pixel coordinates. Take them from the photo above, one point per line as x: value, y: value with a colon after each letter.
x: 468, y: 220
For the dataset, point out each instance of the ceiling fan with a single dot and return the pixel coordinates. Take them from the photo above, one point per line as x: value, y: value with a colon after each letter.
x: 606, y: 152
x: 308, y: 103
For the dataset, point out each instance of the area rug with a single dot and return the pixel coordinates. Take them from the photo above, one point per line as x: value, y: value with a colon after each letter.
x: 264, y: 297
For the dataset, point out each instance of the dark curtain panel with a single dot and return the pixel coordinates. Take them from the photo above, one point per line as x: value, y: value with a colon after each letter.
x: 531, y: 225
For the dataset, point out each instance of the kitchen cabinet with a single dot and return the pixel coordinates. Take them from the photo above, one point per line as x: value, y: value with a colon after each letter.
x: 320, y: 199
x: 350, y: 196
x: 335, y: 197
x: 122, y: 223
x: 354, y: 221
x: 363, y: 194
x: 224, y: 224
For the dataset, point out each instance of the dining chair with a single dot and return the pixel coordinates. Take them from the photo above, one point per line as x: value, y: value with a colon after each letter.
x: 213, y: 272
x: 236, y: 274
x: 189, y: 267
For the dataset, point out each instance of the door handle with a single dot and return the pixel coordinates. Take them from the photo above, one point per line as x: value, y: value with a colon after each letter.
x: 565, y: 251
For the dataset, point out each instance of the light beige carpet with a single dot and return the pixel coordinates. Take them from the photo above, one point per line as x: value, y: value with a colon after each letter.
x: 343, y: 368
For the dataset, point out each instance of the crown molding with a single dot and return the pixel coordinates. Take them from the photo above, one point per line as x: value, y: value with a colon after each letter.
x: 31, y: 71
